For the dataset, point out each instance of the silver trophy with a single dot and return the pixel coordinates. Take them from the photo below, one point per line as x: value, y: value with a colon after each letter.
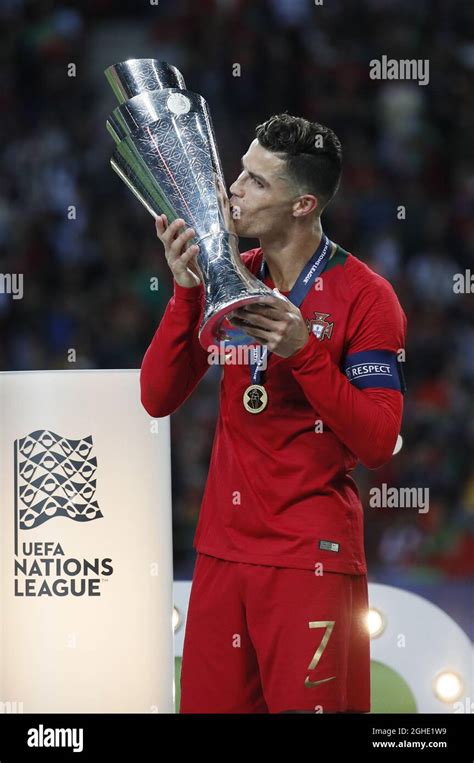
x: 166, y: 153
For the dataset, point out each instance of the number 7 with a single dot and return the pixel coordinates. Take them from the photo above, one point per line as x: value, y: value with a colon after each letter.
x: 329, y: 625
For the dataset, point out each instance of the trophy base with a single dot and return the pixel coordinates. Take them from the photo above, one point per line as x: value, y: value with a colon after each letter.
x: 209, y: 330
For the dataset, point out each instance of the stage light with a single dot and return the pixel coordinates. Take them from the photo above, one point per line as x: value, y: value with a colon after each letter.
x: 398, y: 445
x: 176, y: 619
x: 448, y: 686
x: 376, y: 622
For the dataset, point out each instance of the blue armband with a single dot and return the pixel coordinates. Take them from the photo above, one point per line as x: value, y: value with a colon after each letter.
x: 375, y: 368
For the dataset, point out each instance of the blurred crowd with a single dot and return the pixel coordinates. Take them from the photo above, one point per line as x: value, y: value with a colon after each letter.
x: 88, y: 249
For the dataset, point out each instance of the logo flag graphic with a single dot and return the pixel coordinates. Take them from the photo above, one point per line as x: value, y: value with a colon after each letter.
x: 55, y: 477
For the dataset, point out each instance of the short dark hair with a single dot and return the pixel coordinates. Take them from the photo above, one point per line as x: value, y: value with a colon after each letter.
x: 314, y: 163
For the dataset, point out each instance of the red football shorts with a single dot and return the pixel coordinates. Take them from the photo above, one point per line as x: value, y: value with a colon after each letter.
x: 272, y: 639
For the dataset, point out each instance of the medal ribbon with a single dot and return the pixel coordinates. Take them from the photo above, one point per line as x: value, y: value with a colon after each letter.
x: 303, y: 284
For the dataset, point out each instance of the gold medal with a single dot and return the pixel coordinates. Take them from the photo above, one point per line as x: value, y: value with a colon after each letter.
x: 255, y: 398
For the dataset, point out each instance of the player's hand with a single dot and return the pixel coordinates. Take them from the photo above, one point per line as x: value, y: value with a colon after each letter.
x: 179, y: 255
x: 275, y: 322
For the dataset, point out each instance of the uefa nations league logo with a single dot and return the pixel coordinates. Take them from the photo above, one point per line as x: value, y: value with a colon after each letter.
x: 54, y: 477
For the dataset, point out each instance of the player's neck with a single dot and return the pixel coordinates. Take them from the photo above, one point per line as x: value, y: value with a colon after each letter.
x: 287, y: 256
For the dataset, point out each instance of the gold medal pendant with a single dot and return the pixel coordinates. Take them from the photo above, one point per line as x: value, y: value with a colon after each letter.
x: 255, y: 398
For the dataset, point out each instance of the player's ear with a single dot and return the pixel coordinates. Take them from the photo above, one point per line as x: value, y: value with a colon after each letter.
x: 304, y: 205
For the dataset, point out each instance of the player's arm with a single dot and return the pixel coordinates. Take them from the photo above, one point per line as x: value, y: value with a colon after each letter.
x: 365, y: 411
x: 175, y: 361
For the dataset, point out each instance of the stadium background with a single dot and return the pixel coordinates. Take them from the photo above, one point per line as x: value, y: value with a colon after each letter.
x: 87, y: 281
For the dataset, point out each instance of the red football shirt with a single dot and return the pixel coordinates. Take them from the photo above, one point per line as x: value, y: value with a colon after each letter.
x: 279, y: 490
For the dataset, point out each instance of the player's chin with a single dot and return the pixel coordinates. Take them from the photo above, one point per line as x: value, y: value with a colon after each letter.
x: 243, y: 230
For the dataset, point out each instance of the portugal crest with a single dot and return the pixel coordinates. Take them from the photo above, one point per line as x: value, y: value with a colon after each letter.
x: 320, y: 326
